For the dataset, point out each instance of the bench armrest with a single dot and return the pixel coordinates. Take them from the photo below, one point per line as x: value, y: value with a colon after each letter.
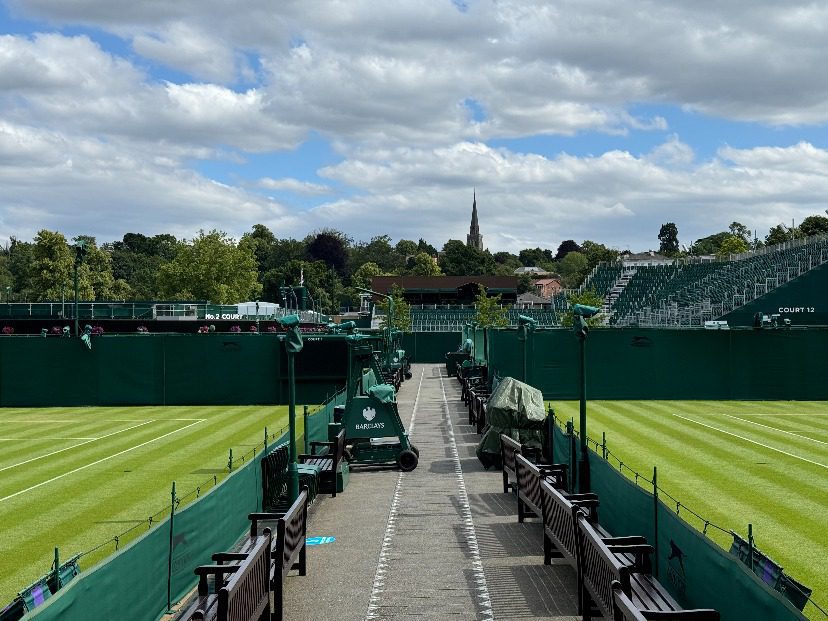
x: 316, y: 444
x: 642, y: 552
x: 203, y: 571
x: 587, y: 496
x: 588, y: 503
x: 697, y: 614
x: 221, y: 557
x: 621, y: 541
x: 261, y: 517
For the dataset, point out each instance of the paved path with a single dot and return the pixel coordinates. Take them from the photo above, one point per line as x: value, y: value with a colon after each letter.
x: 440, y: 542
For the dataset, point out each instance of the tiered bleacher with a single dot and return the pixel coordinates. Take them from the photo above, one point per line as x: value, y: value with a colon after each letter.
x: 452, y: 319
x: 688, y: 294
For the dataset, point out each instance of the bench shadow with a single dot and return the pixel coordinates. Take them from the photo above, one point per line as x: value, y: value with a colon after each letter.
x: 493, y: 503
x: 532, y: 591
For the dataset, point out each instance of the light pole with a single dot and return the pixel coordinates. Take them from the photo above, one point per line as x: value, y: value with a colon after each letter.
x: 293, y: 345
x: 580, y: 313
x: 80, y: 254
x: 388, y: 324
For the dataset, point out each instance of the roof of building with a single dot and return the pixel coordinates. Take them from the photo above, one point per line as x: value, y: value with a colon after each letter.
x: 531, y: 297
x: 383, y: 284
x: 548, y: 281
x: 530, y: 270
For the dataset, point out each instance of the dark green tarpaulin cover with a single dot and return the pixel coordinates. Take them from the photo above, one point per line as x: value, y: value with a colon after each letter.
x: 384, y: 393
x: 517, y: 410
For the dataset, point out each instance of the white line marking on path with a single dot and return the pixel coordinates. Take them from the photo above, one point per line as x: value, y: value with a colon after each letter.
x: 735, y: 435
x: 95, y: 463
x: 484, y: 600
x: 390, y: 527
x: 68, y: 448
x: 790, y: 433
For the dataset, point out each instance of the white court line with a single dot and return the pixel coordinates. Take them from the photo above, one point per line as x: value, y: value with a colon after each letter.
x: 95, y: 463
x: 45, y: 438
x: 776, y: 429
x: 390, y: 528
x: 28, y: 461
x: 735, y: 435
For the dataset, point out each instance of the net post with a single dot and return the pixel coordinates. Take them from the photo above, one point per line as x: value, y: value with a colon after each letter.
x: 305, y: 428
x: 655, y: 521
x: 170, y: 554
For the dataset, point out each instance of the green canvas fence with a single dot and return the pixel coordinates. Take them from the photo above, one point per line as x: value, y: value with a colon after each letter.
x: 133, y: 582
x: 316, y: 423
x: 166, y: 369
x: 430, y: 346
x: 636, y: 363
x: 696, y: 571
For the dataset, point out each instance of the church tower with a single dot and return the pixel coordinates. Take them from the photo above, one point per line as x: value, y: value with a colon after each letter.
x: 474, y: 238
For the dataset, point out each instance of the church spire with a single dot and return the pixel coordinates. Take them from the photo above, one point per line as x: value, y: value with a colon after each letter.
x: 474, y: 238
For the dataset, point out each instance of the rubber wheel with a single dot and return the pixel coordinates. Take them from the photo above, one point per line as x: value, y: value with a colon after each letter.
x: 407, y: 460
x: 416, y: 451
x: 408, y: 375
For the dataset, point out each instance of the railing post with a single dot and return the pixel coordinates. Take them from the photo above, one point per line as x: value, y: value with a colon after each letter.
x: 170, y: 555
x: 305, y: 428
x: 750, y: 546
x: 655, y: 521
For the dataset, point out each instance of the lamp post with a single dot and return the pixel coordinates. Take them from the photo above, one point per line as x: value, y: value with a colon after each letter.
x: 526, y: 325
x: 388, y: 324
x: 293, y: 345
x: 80, y: 254
x: 580, y: 313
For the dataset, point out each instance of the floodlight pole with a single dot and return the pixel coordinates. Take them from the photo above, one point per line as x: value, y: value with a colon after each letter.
x: 583, y: 463
x: 77, y: 332
x: 293, y: 469
x: 388, y: 323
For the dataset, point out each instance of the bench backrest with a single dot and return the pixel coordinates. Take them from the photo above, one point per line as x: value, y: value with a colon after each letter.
x: 291, y: 533
x: 247, y: 594
x: 559, y: 520
x: 599, y: 567
x: 339, y: 449
x: 508, y: 449
x: 528, y: 479
x: 274, y: 477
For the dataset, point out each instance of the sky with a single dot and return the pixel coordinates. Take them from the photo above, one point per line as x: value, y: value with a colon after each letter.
x: 568, y: 119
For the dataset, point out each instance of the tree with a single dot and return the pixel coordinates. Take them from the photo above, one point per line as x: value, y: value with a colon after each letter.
x: 405, y: 248
x: 595, y: 253
x: 366, y: 271
x: 565, y: 248
x: 814, y: 225
x: 490, y: 311
x: 211, y: 267
x: 534, y: 257
x: 573, y: 269
x: 331, y: 247
x: 402, y: 311
x: 780, y: 234
x: 732, y: 245
x: 425, y: 265
x: 379, y: 250
x: 21, y: 266
x: 424, y: 246
x: 739, y: 230
x: 587, y: 298
x: 52, y: 272
x: 708, y: 245
x: 668, y: 239
x: 458, y: 259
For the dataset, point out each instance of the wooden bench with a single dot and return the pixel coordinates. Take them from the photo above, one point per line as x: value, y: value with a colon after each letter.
x: 529, y: 477
x: 625, y: 610
x: 245, y: 596
x: 604, y: 561
x: 509, y: 448
x: 327, y: 462
x: 478, y: 409
x: 289, y: 546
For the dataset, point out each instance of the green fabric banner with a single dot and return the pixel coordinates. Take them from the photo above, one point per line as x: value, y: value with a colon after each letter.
x: 134, y: 580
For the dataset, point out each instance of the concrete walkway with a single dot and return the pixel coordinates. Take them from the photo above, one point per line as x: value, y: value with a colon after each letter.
x: 440, y: 542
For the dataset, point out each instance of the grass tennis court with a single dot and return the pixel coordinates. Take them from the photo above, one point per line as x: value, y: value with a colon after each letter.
x: 734, y: 463
x: 76, y: 477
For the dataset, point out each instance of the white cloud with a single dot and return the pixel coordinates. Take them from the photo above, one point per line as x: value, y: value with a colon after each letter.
x: 293, y: 185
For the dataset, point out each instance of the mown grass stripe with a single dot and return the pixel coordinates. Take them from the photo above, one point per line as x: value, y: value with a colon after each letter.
x: 94, y: 463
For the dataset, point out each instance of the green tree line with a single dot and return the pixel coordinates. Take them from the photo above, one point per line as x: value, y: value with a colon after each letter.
x: 213, y: 266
